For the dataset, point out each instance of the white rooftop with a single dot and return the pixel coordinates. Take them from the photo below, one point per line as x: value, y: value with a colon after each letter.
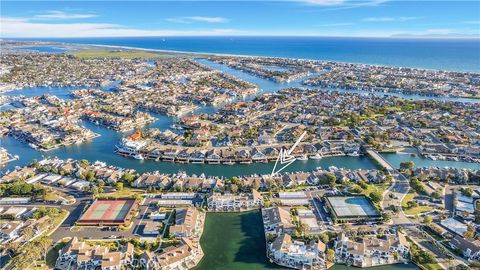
x: 454, y: 225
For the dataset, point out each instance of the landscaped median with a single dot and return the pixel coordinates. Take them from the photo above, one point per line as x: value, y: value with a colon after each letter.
x: 412, y: 208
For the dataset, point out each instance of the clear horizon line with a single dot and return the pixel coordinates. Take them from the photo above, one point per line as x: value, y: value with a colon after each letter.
x: 262, y: 36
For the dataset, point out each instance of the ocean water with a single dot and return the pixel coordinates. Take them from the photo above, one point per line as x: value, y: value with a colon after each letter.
x: 443, y: 54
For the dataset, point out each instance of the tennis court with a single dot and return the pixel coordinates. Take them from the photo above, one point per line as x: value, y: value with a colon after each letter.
x: 352, y: 206
x: 107, y: 211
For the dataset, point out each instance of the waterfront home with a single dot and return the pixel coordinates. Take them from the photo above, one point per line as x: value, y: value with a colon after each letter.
x: 187, y: 222
x: 371, y: 251
x: 457, y: 175
x: 182, y: 256
x: 154, y: 179
x: 231, y: 202
x: 129, y: 147
x: 287, y: 252
x: 81, y: 255
x: 4, y: 156
x: 23, y: 173
x: 255, y: 181
x: 212, y: 157
x: 277, y: 220
x: 297, y: 178
x: 368, y: 176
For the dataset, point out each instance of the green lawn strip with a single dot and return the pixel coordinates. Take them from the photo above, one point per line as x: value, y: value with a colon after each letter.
x: 125, y: 193
x: 413, y: 210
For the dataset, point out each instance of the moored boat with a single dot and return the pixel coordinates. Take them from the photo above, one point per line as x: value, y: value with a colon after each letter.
x: 302, y: 157
x: 138, y: 156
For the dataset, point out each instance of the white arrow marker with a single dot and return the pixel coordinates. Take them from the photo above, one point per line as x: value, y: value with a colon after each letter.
x: 286, y: 157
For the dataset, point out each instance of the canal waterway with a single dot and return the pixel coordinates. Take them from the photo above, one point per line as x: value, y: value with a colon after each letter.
x: 236, y: 241
x: 102, y: 148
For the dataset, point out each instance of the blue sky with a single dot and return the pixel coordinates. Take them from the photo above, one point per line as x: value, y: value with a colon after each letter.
x: 359, y: 18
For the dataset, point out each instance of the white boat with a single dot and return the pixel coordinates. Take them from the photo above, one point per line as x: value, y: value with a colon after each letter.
x: 229, y: 163
x: 138, y: 156
x: 175, y: 126
x: 354, y: 154
x: 302, y: 157
x: 32, y: 145
x: 316, y: 156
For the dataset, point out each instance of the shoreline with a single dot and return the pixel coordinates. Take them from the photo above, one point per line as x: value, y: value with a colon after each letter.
x: 226, y: 54
x: 72, y: 47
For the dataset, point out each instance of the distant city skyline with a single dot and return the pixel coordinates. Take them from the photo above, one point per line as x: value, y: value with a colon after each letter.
x: 365, y: 18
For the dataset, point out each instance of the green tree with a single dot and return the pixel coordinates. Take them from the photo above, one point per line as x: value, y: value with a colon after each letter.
x: 470, y: 232
x: 84, y: 163
x: 376, y: 196
x: 128, y: 177
x: 468, y: 191
x: 44, y: 244
x: 330, y: 254
x: 396, y: 255
x: 331, y: 179
x: 324, y: 238
x: 436, y: 195
x: 427, y: 219
x: 407, y: 166
x: 233, y: 188
x: 119, y: 186
x: 90, y: 176
x: 417, y: 185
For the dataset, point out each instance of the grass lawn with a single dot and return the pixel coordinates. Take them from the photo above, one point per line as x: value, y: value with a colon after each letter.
x: 112, y: 245
x: 407, y: 198
x: 125, y: 193
x: 51, y: 196
x: 414, y: 210
x: 432, y: 266
x: 57, y: 220
x: 371, y: 188
x: 91, y: 54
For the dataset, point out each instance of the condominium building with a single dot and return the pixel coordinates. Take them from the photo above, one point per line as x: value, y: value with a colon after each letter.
x: 231, y: 202
x: 371, y: 251
x: 80, y: 255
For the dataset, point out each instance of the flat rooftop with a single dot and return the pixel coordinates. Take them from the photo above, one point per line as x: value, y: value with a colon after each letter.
x: 352, y: 206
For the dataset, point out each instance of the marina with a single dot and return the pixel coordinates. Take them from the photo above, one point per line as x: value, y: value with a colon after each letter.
x: 103, y: 147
